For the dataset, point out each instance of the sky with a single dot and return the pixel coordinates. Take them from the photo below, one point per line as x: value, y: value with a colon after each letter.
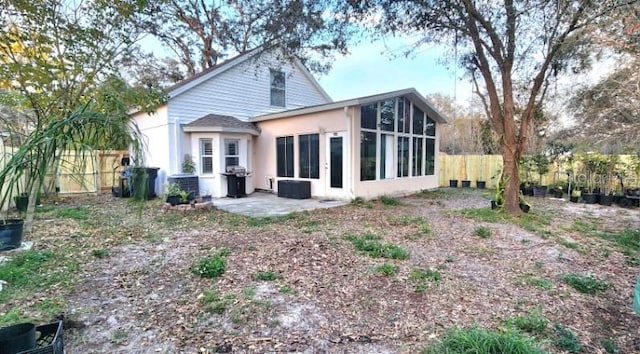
x: 370, y: 69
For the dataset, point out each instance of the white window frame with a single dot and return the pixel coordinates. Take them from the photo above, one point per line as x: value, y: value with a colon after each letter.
x: 227, y: 142
x: 204, y: 155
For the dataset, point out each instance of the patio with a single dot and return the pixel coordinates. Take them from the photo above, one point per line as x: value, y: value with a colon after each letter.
x: 264, y: 204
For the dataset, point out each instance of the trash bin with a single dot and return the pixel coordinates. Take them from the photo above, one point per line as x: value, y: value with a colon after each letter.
x: 138, y: 172
x: 17, y: 338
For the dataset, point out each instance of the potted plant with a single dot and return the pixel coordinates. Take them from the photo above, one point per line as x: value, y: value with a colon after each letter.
x: 541, y: 164
x: 188, y: 166
x: 21, y: 201
x: 465, y: 182
x: 174, y: 193
x: 590, y: 164
x: 607, y: 172
x: 205, y: 195
x: 557, y: 190
x: 525, y: 168
x: 575, y: 195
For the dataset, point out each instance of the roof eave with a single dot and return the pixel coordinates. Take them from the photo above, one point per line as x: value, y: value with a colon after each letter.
x: 219, y: 129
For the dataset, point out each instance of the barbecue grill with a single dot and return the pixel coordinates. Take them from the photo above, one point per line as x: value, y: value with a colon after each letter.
x: 236, y: 181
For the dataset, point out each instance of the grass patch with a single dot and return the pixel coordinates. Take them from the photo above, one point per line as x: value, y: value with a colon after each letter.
x: 483, y: 214
x: 286, y: 290
x: 76, y: 213
x: 423, y: 277
x: 628, y: 241
x: 359, y: 201
x: 482, y: 341
x: 533, y: 322
x: 482, y: 232
x: 13, y: 316
x: 214, y: 303
x: 370, y: 244
x: 266, y: 276
x: 572, y: 245
x: 585, y: 283
x: 610, y: 346
x: 566, y: 340
x: 100, y: 253
x: 420, y: 224
x: 537, y: 281
x: 388, y: 270
x: 261, y: 222
x: 390, y: 201
x: 212, y: 266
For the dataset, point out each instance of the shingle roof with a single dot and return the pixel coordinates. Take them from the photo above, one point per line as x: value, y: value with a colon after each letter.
x: 217, y: 122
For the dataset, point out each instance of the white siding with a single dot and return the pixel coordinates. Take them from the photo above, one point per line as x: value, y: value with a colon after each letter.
x: 243, y: 91
x: 156, y: 136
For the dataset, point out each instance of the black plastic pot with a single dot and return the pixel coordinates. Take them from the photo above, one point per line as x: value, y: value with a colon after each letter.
x: 481, y: 184
x: 494, y: 205
x: 453, y: 183
x: 466, y: 184
x: 173, y: 199
x: 22, y: 201
x: 590, y: 198
x: 540, y: 191
x: 524, y: 207
x: 557, y: 193
x: 605, y: 199
x: 573, y: 199
x: 17, y: 338
x: 10, y: 234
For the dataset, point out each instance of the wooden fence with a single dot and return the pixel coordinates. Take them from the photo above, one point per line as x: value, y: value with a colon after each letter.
x: 488, y: 167
x: 93, y: 172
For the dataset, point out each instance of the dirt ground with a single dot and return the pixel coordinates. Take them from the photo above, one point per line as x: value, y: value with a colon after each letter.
x: 142, y: 297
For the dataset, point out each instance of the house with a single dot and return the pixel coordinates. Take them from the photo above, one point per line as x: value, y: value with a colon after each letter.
x: 278, y: 123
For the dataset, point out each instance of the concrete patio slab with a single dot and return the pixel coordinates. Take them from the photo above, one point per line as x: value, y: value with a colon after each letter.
x: 263, y: 204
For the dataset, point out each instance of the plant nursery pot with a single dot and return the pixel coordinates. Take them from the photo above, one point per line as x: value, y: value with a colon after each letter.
x: 605, y: 199
x: 21, y: 202
x: 494, y: 205
x: 524, y: 207
x: 466, y: 184
x: 17, y: 338
x: 173, y: 200
x: 573, y: 199
x: 557, y: 193
x: 590, y: 198
x: 10, y: 234
x: 453, y: 183
x: 540, y: 191
x: 481, y: 184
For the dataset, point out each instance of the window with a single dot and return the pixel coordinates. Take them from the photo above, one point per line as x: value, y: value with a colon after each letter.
x: 284, y: 156
x: 430, y: 129
x: 416, y: 170
x: 277, y: 88
x: 367, y: 156
x: 368, y: 116
x: 418, y: 121
x: 386, y: 156
x: 231, y: 154
x: 403, y: 156
x: 430, y: 161
x: 206, y: 156
x: 387, y: 116
x: 404, y: 109
x: 309, y: 150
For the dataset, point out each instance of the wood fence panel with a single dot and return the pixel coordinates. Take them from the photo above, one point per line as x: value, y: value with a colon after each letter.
x: 109, y: 168
x: 77, y: 173
x: 470, y: 168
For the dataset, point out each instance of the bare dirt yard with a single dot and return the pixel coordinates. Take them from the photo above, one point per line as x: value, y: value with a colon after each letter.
x: 369, y: 277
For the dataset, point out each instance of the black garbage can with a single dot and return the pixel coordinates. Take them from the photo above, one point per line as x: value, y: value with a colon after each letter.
x: 139, y: 173
x: 17, y: 338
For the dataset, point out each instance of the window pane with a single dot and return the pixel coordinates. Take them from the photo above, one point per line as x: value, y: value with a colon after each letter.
x: 231, y: 161
x: 277, y: 80
x: 231, y: 147
x: 430, y: 161
x: 407, y: 115
x: 367, y: 156
x: 400, y: 114
x: 368, y: 116
x: 309, y: 152
x: 284, y: 156
x: 314, y: 159
x: 206, y: 156
x: 303, y: 153
x: 386, y: 156
x: 403, y: 156
x: 418, y: 121
x: 387, y: 115
x: 417, y: 157
x: 430, y: 129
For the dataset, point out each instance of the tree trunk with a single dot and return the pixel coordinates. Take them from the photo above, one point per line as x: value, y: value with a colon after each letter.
x: 510, y: 181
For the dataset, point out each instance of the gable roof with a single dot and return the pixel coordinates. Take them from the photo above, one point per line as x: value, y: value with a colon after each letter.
x: 221, y: 123
x: 218, y: 69
x: 411, y: 93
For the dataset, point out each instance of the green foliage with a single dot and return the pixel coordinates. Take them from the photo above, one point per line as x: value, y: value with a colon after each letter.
x: 585, y: 283
x: 539, y: 282
x: 533, y: 322
x: 566, y: 340
x: 482, y: 214
x: 482, y: 341
x: 610, y: 346
x: 482, y: 232
x: 387, y: 269
x: 390, y: 201
x: 173, y: 189
x: 422, y: 278
x: 628, y: 241
x: 212, y: 266
x: 286, y: 290
x: 261, y: 222
x: 370, y: 244
x: 266, y: 276
x: 214, y: 303
x: 13, y: 316
x: 100, y: 253
x: 76, y: 213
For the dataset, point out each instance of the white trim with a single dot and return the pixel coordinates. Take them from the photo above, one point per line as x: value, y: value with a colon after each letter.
x: 219, y: 129
x: 413, y: 95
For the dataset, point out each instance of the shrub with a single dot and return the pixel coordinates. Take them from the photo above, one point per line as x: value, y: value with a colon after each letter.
x: 585, y: 283
x: 370, y: 244
x: 567, y: 340
x: 387, y: 269
x: 391, y: 201
x: 533, y: 322
x: 212, y: 266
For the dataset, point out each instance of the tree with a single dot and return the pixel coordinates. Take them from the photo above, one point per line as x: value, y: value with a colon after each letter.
x: 59, y: 67
x: 511, y: 50
x: 200, y: 33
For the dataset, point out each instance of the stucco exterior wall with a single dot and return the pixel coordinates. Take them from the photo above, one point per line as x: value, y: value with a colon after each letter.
x: 155, y: 130
x: 325, y: 123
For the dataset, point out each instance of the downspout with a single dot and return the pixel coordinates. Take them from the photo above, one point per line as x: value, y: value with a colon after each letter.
x: 176, y: 145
